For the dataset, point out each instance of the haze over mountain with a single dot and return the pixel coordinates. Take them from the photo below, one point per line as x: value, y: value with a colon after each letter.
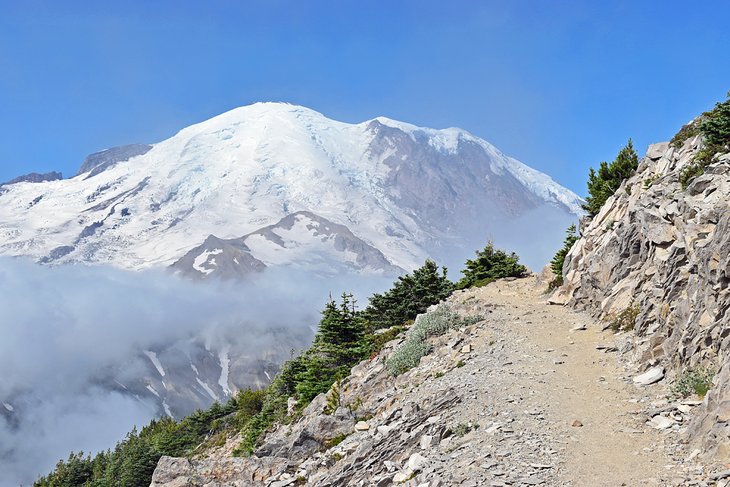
x: 396, y: 192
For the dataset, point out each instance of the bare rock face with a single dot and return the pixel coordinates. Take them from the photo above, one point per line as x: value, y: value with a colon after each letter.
x: 35, y: 177
x: 99, y: 162
x: 225, y: 472
x: 665, y: 249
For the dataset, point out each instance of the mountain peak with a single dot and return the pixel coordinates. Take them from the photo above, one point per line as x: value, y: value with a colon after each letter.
x: 409, y: 192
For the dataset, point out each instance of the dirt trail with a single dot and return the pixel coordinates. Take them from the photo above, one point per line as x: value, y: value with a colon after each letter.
x: 573, y: 392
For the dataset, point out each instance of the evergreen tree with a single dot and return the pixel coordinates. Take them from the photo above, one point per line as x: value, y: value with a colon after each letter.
x: 338, y: 345
x: 410, y: 295
x: 490, y: 264
x: 556, y: 265
x: 604, y: 183
x: 716, y: 126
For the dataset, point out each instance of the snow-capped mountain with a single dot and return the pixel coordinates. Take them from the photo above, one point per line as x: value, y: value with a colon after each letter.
x: 273, y: 184
x: 302, y: 240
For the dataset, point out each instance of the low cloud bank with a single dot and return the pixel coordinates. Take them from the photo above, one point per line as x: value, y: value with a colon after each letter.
x: 62, y: 328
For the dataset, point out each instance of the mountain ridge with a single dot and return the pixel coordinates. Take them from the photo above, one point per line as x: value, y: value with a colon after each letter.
x: 403, y: 189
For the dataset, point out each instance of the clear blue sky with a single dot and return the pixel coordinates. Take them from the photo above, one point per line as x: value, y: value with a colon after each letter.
x: 559, y: 85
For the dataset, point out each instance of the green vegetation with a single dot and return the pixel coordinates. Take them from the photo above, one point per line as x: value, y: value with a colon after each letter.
x: 625, y: 320
x: 697, y: 381
x: 714, y: 126
x: 689, y: 172
x: 345, y: 336
x: 556, y: 265
x: 686, y: 132
x: 133, y: 460
x: 435, y: 323
x: 333, y: 398
x: 410, y: 296
x: 339, y: 344
x: 648, y: 182
x: 490, y: 264
x: 604, y: 183
x: 461, y: 429
x: 336, y: 440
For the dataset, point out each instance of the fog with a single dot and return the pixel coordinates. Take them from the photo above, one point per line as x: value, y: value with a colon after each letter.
x: 61, y: 328
x: 534, y: 236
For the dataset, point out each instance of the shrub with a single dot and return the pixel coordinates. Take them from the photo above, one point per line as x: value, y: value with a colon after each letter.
x: 697, y: 381
x: 461, y: 429
x: 689, y: 172
x: 333, y: 399
x: 490, y: 264
x: 686, y: 132
x: 332, y: 442
x: 248, y: 404
x: 715, y: 128
x: 376, y: 341
x: 625, y: 320
x: 648, y: 182
x: 556, y: 265
x: 604, y: 183
x: 416, y: 346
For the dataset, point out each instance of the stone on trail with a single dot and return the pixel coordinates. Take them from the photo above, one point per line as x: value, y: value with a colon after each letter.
x: 662, y: 422
x: 651, y: 376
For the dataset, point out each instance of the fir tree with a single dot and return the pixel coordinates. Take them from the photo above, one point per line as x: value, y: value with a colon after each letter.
x: 716, y: 126
x: 604, y: 183
x: 338, y: 345
x: 490, y: 264
x: 410, y: 295
x: 556, y: 264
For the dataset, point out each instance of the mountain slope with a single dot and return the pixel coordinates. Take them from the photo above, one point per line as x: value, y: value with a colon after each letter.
x: 409, y: 192
x: 302, y: 238
x: 509, y: 400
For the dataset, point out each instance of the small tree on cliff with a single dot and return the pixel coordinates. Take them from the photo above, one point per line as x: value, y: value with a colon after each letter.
x: 602, y: 184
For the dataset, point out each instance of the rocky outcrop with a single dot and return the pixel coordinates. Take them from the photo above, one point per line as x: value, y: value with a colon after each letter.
x: 666, y: 250
x: 223, y: 472
x: 99, y: 162
x: 35, y: 177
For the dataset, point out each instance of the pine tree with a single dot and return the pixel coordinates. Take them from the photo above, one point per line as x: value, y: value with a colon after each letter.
x: 716, y: 126
x: 338, y: 345
x: 489, y: 265
x: 409, y: 296
x: 556, y: 264
x: 604, y: 183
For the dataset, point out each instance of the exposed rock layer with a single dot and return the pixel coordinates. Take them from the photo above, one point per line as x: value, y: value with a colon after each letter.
x: 665, y: 249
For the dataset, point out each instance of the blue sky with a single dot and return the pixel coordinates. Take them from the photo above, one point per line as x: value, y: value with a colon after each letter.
x: 559, y: 85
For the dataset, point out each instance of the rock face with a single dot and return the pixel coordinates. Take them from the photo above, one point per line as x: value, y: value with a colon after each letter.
x: 99, y: 162
x: 35, y: 177
x: 665, y: 249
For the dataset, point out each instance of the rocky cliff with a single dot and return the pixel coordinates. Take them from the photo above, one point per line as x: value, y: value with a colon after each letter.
x: 660, y: 247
